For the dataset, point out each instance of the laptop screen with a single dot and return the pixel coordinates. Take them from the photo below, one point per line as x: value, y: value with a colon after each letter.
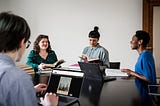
x: 65, y: 83
x: 91, y: 70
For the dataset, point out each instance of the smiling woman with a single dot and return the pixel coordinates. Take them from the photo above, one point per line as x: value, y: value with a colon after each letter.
x: 41, y: 53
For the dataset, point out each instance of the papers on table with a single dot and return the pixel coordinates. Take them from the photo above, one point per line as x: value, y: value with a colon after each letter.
x: 68, y: 73
x: 115, y: 72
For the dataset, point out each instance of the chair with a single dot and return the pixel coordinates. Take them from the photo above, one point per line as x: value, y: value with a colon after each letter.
x: 114, y: 65
x: 154, y: 92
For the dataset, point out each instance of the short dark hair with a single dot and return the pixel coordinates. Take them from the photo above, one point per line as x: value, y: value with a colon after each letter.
x: 143, y: 35
x: 36, y: 47
x: 13, y: 29
x: 94, y: 33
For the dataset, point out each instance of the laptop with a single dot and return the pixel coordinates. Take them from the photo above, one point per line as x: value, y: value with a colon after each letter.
x: 67, y: 85
x: 93, y: 71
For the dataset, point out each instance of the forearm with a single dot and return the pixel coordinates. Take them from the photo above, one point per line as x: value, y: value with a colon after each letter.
x: 33, y: 65
x: 139, y: 76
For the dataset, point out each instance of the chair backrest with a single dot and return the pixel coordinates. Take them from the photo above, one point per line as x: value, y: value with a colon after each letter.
x: 114, y: 65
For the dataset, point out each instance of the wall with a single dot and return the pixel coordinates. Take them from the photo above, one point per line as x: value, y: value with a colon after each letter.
x: 156, y: 37
x: 68, y: 22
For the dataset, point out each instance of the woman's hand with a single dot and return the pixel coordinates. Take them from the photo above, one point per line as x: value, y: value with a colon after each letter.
x: 84, y: 58
x: 128, y: 71
x: 41, y: 66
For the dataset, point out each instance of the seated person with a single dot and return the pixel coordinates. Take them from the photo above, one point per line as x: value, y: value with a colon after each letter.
x: 16, y: 87
x: 41, y: 53
x: 95, y: 52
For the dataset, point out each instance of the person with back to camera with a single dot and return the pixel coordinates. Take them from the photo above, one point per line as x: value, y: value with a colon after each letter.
x: 95, y: 52
x: 16, y: 87
x: 41, y: 53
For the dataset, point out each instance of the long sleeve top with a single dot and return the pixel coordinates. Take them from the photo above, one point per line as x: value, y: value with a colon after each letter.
x: 35, y: 59
x: 16, y: 87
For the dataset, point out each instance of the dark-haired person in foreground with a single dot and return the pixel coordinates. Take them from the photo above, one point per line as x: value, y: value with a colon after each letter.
x: 95, y: 51
x: 16, y: 87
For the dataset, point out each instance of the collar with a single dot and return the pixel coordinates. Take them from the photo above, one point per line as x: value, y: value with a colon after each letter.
x: 4, y: 59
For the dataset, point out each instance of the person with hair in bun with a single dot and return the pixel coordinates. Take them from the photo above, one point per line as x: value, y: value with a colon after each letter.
x: 95, y: 52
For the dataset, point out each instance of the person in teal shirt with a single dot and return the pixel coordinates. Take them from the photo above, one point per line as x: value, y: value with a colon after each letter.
x: 95, y: 51
x: 41, y: 53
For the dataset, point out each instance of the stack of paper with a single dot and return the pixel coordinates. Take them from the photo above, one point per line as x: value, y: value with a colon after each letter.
x: 115, y: 72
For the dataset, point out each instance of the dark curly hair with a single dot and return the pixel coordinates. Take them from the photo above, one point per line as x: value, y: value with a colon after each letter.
x: 36, y: 47
x: 142, y: 35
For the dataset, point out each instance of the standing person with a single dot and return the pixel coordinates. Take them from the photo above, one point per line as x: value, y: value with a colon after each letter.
x: 145, y: 66
x: 16, y: 87
x: 41, y: 53
x: 95, y: 51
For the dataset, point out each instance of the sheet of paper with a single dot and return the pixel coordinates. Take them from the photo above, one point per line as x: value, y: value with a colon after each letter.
x: 70, y: 73
x: 115, y: 72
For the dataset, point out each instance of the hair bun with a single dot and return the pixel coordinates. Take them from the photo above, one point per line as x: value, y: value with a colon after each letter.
x: 96, y: 28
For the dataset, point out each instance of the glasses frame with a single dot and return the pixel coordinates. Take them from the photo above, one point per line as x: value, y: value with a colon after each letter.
x: 28, y: 43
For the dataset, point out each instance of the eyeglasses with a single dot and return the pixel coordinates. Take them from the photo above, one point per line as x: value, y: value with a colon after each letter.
x: 28, y: 44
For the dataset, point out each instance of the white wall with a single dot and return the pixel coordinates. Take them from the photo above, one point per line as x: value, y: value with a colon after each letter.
x: 68, y: 22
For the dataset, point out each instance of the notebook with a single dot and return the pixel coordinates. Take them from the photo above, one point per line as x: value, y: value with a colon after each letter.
x: 93, y: 71
x: 67, y: 85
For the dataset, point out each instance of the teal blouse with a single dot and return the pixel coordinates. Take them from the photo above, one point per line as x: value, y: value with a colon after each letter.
x: 35, y: 59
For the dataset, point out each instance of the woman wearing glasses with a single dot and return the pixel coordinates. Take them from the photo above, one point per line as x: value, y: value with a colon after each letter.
x: 41, y: 53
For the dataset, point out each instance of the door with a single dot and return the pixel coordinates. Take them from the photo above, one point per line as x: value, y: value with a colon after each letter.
x: 156, y: 37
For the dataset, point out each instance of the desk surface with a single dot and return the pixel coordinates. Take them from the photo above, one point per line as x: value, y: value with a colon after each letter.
x: 113, y: 93
x: 120, y: 92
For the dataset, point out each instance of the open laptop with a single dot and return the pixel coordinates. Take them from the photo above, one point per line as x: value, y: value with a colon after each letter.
x: 93, y: 71
x: 67, y: 85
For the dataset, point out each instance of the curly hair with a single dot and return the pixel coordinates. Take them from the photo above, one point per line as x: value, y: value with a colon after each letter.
x: 36, y: 47
x: 142, y: 35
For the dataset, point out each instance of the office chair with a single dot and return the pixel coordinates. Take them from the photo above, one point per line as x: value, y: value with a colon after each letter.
x: 154, y: 92
x: 114, y: 65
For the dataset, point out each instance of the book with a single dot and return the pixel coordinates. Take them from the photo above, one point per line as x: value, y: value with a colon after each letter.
x: 96, y: 60
x: 115, y: 73
x: 85, y: 58
x: 54, y: 65
x: 26, y: 68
